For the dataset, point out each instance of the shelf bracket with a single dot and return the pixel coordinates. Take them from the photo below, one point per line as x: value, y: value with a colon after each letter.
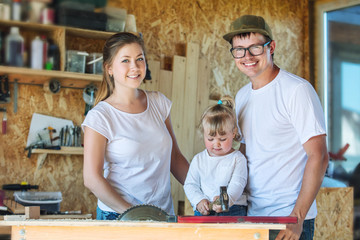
x: 40, y: 160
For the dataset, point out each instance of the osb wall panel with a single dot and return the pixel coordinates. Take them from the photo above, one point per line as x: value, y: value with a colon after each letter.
x: 166, y: 25
x: 59, y: 172
x: 335, y: 214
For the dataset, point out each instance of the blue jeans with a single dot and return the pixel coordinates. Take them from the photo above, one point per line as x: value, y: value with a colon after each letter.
x: 105, y: 215
x: 234, y: 210
x: 307, y: 233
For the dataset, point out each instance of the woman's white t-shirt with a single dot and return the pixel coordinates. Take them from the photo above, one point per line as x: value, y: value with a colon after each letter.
x: 138, y: 151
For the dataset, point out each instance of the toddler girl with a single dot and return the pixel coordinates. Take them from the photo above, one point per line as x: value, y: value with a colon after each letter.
x: 218, y: 165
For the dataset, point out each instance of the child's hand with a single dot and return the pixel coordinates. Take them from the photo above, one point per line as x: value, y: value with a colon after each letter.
x: 203, y: 207
x: 216, y: 206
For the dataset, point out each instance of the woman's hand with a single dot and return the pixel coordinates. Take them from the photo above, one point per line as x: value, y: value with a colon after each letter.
x: 203, y: 207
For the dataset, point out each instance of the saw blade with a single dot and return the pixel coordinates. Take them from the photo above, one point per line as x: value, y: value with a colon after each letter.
x: 144, y: 212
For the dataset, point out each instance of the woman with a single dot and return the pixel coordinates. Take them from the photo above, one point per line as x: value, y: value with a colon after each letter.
x: 129, y: 144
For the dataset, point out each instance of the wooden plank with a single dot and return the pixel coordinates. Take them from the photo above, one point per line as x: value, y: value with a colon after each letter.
x: 14, y: 207
x: 52, y: 216
x: 39, y: 77
x: 5, y: 230
x: 191, y: 81
x: 178, y: 97
x: 145, y: 233
x: 202, y: 102
x: 32, y: 212
x: 140, y: 224
x: 177, y: 110
x: 153, y: 84
x: 63, y: 150
x: 165, y: 83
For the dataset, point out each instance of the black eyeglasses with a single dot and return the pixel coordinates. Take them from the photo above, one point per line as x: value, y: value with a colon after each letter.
x: 254, y: 50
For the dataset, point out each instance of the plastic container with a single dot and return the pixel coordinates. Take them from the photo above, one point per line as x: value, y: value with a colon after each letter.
x: 48, y: 201
x: 75, y: 61
x: 14, y: 48
x: 94, y: 63
x: 116, y: 19
x: 37, y: 52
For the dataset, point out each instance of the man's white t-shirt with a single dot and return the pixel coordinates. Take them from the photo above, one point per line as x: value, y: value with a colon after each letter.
x: 138, y: 151
x: 275, y: 121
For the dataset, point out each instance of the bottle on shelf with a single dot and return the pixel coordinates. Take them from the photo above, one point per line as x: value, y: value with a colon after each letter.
x: 53, y: 57
x: 45, y: 49
x: 16, y: 10
x: 37, y: 52
x: 14, y: 48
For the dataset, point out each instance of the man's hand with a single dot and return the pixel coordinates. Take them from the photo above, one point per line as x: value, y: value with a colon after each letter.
x: 203, y: 207
x: 292, y: 231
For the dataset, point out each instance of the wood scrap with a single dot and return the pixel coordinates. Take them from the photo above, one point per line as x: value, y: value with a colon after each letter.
x: 14, y: 207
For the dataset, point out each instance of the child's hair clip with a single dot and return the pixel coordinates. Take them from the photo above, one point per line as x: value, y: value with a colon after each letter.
x: 220, y: 102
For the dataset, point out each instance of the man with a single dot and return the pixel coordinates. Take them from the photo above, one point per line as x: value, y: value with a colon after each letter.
x: 283, y: 131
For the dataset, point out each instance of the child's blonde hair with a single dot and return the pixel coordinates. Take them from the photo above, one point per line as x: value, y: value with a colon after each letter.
x: 220, y: 118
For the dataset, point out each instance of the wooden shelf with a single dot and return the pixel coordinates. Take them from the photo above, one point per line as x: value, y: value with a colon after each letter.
x: 49, y: 27
x: 83, y: 39
x: 63, y: 151
x: 33, y: 76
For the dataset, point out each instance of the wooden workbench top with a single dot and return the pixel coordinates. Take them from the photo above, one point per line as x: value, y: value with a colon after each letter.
x: 153, y: 224
x: 70, y: 229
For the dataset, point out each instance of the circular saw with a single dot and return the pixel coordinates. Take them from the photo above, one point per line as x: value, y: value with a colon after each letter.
x: 144, y: 212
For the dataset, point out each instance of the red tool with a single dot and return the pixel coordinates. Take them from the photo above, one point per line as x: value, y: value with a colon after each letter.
x: 235, y: 219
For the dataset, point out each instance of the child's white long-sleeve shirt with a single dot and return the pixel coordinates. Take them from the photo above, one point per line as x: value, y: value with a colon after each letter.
x: 206, y: 174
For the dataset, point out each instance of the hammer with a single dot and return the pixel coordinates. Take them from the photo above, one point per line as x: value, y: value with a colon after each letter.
x: 223, y: 200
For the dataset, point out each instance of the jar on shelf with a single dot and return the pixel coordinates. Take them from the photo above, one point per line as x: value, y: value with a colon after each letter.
x: 94, y: 63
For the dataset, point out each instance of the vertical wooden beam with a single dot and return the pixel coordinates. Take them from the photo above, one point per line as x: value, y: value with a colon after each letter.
x: 178, y: 96
x: 153, y: 84
x: 165, y: 83
x: 177, y: 109
x: 202, y: 102
x: 191, y: 79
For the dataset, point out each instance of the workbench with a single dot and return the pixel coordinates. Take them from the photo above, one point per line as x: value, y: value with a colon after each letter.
x: 94, y: 230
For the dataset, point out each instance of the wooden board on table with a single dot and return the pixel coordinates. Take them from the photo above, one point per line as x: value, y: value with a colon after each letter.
x: 93, y: 229
x: 14, y: 207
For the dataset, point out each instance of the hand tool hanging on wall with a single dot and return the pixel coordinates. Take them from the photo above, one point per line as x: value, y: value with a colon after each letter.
x: 52, y: 86
x: 23, y: 186
x: 89, y: 95
x: 4, y: 120
x: 4, y: 89
x: 15, y: 95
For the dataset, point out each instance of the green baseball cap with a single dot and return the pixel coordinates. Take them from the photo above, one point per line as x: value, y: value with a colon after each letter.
x: 248, y: 24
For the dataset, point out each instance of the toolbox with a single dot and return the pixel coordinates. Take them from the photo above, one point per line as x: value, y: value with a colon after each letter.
x: 48, y: 201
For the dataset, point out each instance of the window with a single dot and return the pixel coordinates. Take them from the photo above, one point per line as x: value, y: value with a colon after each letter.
x: 342, y: 86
